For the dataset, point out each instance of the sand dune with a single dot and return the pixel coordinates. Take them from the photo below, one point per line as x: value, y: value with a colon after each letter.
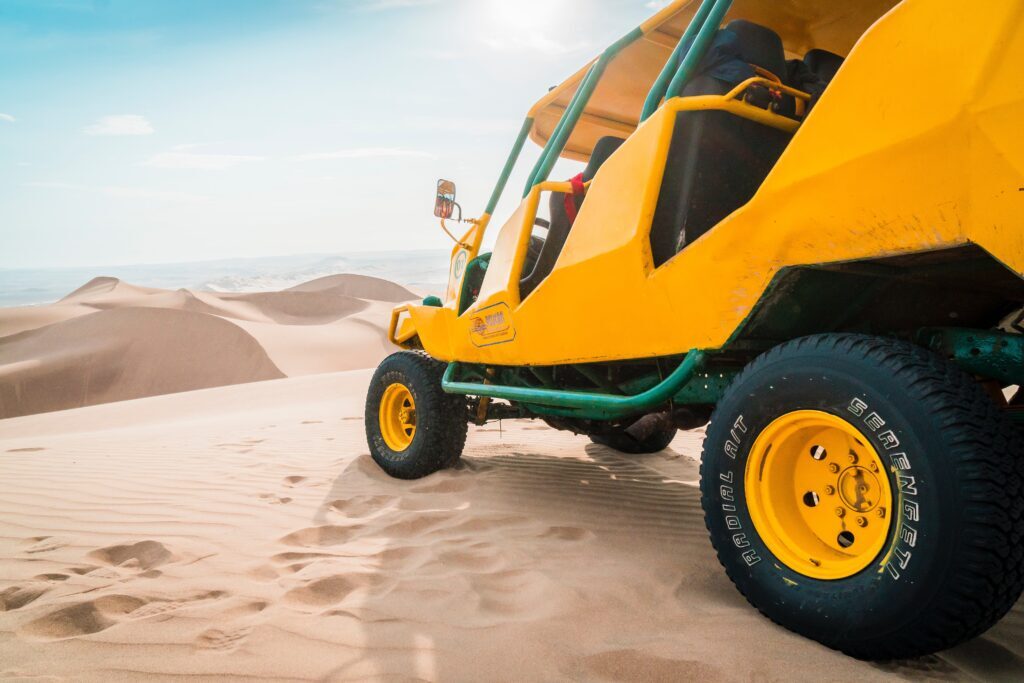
x: 110, y: 341
x: 244, y: 532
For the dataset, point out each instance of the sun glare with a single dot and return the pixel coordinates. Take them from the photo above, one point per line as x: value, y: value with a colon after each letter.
x: 525, y: 15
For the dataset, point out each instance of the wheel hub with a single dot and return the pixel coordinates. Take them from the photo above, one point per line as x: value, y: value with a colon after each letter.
x: 397, y: 417
x: 817, y: 494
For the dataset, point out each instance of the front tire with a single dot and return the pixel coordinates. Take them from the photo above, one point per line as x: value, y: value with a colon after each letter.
x: 916, y: 544
x: 413, y: 428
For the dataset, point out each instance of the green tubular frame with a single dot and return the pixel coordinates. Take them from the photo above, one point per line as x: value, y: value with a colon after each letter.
x: 584, y: 404
x: 510, y: 163
x: 660, y: 86
x: 556, y: 143
x: 701, y: 43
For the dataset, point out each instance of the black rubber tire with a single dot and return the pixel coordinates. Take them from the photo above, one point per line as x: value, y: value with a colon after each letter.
x: 441, y: 419
x: 952, y: 564
x: 649, y: 434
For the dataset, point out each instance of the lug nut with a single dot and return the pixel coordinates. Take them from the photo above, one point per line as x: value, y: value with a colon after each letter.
x: 853, y: 458
x: 830, y: 490
x: 833, y: 468
x: 874, y: 468
x: 881, y: 512
x: 840, y: 512
x: 861, y: 521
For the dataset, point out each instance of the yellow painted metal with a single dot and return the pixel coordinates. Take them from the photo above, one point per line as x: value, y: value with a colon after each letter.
x: 397, y: 415
x: 882, y: 166
x: 615, y: 106
x: 818, y: 495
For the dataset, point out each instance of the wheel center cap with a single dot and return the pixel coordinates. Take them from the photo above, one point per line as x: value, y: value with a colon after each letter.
x: 859, y: 489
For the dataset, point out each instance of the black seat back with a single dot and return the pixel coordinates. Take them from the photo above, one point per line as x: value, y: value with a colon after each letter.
x: 813, y: 73
x: 716, y: 160
x: 558, y: 231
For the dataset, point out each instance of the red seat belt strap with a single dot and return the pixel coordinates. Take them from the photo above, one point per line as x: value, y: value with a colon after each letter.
x: 579, y: 190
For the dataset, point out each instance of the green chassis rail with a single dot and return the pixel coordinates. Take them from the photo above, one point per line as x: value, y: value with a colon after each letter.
x: 583, y: 404
x: 989, y: 354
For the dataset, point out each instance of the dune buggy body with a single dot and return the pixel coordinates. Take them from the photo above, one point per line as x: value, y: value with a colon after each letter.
x: 899, y: 175
x: 830, y: 260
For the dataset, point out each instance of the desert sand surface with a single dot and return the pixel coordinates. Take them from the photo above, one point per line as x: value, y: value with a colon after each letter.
x: 243, y: 532
x: 113, y: 341
x: 183, y: 528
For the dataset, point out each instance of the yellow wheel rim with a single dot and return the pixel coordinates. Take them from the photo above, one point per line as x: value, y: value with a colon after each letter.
x: 397, y: 417
x: 818, y: 495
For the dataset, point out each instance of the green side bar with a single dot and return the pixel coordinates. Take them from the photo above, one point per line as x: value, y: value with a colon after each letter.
x: 660, y: 86
x: 609, y: 406
x: 558, y: 129
x: 700, y: 47
x: 510, y: 163
x: 556, y: 143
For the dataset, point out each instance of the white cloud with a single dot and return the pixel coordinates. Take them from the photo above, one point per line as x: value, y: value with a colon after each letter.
x: 364, y: 153
x: 658, y: 4
x: 121, y: 124
x: 7, y: 117
x: 206, y: 162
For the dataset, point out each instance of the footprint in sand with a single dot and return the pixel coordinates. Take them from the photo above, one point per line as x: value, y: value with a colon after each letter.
x: 17, y: 597
x: 321, y: 536
x: 222, y: 640
x: 53, y: 577
x: 82, y: 618
x: 362, y: 506
x: 331, y: 590
x: 143, y: 555
x: 99, y: 614
x: 274, y: 499
x: 43, y: 544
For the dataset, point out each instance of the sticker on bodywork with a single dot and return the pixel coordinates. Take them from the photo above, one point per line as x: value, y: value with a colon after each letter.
x: 491, y: 325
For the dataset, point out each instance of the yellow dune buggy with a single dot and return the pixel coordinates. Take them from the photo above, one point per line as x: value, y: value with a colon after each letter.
x: 804, y: 220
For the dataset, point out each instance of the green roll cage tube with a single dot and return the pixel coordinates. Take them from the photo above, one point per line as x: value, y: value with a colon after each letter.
x: 995, y: 355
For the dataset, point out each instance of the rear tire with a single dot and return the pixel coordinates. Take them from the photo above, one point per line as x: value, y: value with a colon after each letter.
x: 413, y: 428
x: 950, y: 564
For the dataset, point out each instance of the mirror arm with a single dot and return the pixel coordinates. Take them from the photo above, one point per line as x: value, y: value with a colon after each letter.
x: 454, y: 238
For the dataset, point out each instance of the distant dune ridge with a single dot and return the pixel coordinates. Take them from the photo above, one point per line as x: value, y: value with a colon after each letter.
x: 112, y: 341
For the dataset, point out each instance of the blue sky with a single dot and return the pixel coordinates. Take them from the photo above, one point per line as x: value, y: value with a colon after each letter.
x: 148, y: 131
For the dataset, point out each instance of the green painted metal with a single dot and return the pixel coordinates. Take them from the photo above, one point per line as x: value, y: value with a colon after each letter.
x: 582, y: 403
x: 706, y: 388
x: 701, y: 43
x: 479, y: 263
x: 571, y: 116
x: 558, y: 129
x: 510, y: 163
x: 657, y: 92
x: 988, y: 353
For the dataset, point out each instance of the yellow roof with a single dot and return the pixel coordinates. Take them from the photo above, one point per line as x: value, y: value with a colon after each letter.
x: 614, y: 108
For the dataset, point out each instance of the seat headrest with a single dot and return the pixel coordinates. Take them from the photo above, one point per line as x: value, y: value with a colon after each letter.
x: 823, y: 63
x: 604, y: 148
x: 760, y: 46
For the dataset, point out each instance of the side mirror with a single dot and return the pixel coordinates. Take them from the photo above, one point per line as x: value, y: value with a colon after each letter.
x: 444, y: 204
